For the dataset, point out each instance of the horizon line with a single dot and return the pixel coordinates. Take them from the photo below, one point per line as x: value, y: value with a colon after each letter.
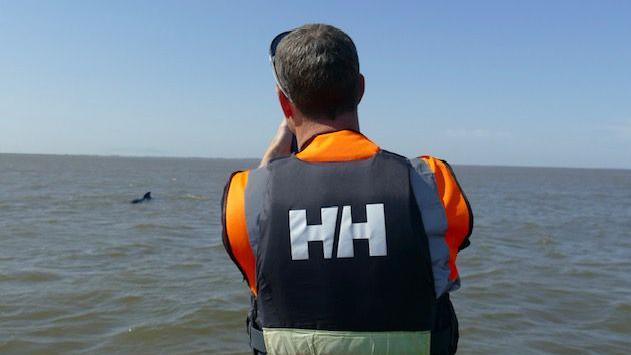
x: 251, y: 158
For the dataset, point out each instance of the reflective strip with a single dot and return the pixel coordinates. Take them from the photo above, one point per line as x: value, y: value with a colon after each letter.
x: 322, y: 342
x: 255, y: 201
x: 434, y: 222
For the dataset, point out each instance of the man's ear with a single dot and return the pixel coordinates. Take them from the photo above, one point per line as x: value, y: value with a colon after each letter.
x: 285, y: 104
x: 362, y: 87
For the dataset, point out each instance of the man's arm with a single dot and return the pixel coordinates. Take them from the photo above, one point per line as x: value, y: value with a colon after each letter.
x: 447, y: 217
x: 280, y: 146
x: 457, y: 207
x: 235, y: 234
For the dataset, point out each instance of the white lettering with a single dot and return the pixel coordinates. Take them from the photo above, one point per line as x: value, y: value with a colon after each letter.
x: 374, y: 230
x: 301, y: 234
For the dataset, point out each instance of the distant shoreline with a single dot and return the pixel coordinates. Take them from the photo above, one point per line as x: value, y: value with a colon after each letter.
x: 125, y: 156
x: 257, y: 159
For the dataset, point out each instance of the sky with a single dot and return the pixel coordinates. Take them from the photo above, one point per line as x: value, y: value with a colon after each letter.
x: 521, y: 83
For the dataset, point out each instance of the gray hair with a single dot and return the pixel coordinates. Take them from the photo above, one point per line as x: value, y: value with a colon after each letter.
x: 318, y: 66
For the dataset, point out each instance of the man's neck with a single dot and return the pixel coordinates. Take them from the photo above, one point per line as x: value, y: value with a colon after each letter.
x: 310, y: 129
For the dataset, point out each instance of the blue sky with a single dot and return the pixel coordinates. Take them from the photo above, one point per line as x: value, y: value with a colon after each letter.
x: 543, y: 83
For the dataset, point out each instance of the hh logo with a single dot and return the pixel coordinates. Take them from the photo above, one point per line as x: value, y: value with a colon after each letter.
x: 374, y: 229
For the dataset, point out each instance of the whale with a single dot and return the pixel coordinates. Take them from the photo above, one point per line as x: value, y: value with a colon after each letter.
x: 146, y: 197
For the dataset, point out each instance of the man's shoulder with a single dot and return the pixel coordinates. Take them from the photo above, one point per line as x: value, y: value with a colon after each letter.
x: 393, y: 155
x: 430, y: 159
x: 239, y: 177
x: 432, y: 164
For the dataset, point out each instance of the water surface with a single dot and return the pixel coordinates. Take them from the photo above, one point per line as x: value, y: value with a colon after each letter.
x: 83, y: 271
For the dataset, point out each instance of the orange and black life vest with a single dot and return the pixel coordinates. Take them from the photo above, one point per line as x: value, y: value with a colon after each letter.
x: 346, y: 236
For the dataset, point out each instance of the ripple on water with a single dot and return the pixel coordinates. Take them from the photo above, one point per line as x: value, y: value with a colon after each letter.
x: 166, y: 227
x: 617, y: 320
x: 39, y: 346
x: 27, y: 276
x: 195, y: 197
x: 31, y: 313
x: 129, y: 299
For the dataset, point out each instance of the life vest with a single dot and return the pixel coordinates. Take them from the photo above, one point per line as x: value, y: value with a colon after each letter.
x: 344, y: 251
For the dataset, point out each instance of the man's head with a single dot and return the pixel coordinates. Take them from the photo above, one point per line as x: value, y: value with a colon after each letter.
x: 317, y: 66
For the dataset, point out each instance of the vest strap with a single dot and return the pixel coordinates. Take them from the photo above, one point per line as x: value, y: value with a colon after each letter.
x: 257, y: 341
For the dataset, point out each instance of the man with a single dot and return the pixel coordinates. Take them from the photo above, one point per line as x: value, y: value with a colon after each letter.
x: 346, y: 248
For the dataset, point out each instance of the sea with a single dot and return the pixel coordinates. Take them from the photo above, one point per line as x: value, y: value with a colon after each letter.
x: 84, y: 271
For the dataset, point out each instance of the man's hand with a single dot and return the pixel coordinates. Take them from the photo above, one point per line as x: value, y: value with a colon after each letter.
x: 280, y: 145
